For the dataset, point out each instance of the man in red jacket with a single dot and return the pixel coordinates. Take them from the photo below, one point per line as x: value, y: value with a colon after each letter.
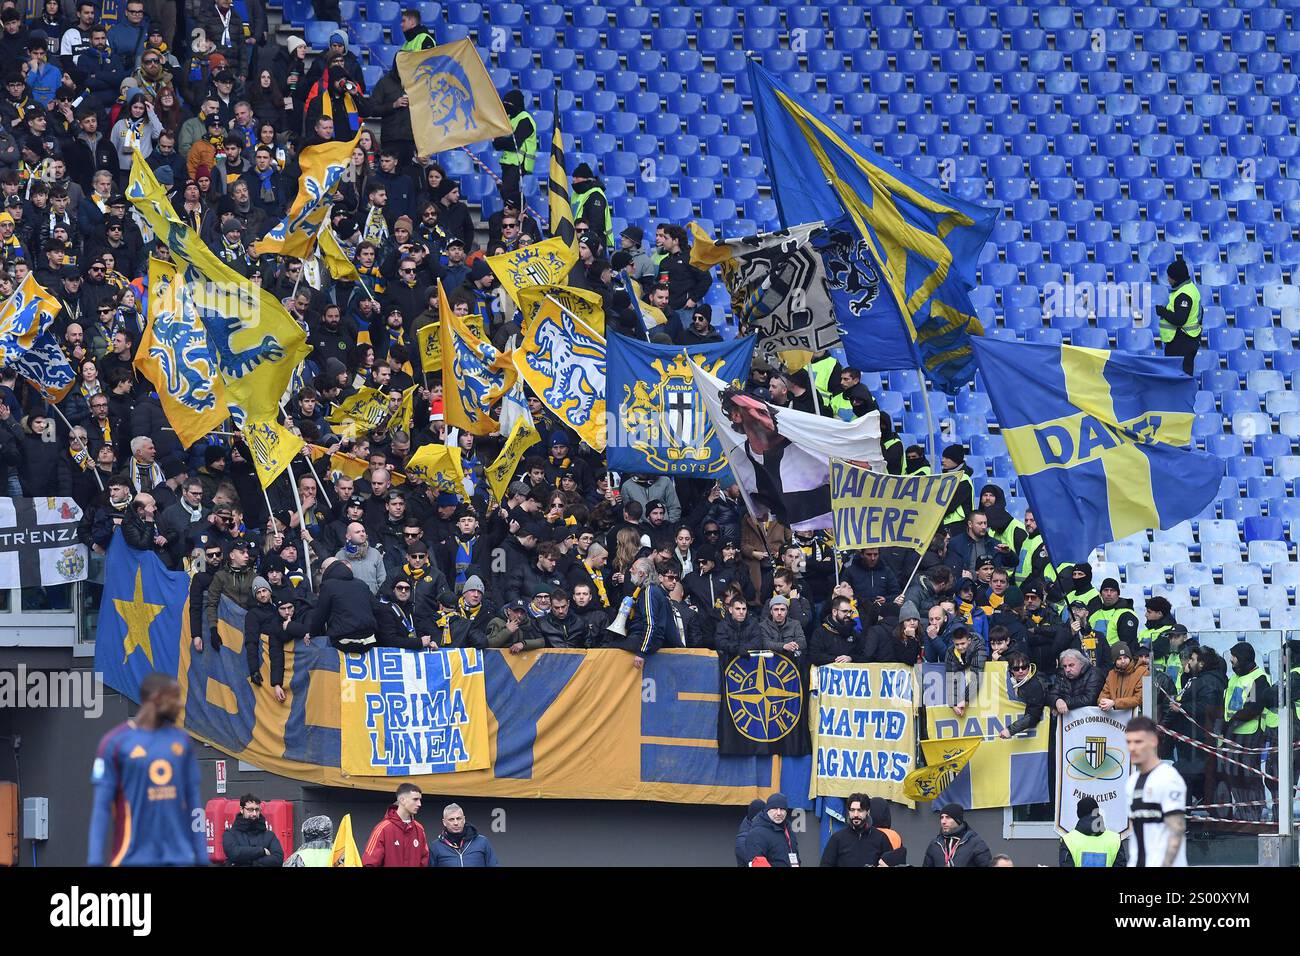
x: 398, y: 840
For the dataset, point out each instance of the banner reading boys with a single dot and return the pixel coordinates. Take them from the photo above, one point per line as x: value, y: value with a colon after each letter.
x: 406, y: 714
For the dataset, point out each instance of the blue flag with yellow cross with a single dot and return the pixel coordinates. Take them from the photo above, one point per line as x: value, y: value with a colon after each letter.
x: 1100, y: 440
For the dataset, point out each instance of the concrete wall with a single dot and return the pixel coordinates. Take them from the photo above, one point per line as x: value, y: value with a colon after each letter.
x: 58, y: 748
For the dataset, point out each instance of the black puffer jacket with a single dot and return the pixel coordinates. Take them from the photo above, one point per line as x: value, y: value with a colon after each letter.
x: 772, y: 841
x: 345, y: 608
x: 965, y: 848
x: 250, y: 843
x: 1081, y: 691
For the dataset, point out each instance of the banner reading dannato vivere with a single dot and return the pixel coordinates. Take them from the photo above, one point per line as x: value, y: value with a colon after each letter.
x: 887, y: 511
x: 1092, y: 761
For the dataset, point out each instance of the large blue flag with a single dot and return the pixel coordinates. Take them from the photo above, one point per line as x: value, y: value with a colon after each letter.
x: 655, y: 421
x: 1100, y: 440
x: 140, y: 617
x: 925, y: 242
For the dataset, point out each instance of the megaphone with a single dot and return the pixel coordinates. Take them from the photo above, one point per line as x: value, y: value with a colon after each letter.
x: 619, y: 626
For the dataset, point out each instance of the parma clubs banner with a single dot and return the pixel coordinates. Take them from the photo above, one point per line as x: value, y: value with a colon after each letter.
x: 1092, y: 761
x: 406, y: 713
x: 38, y: 543
x: 660, y: 425
x: 764, y: 705
x: 559, y: 724
x: 864, y: 738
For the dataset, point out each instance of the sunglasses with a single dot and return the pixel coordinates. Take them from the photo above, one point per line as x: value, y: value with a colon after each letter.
x: 1020, y: 667
x: 401, y: 587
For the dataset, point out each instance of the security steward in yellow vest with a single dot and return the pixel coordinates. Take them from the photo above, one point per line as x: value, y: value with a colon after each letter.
x: 1003, y: 528
x: 1168, y: 652
x: 1180, y: 318
x: 825, y: 372
x: 1159, y: 613
x: 1115, y: 618
x: 1250, y: 720
x: 963, y: 500
x: 1080, y: 588
x: 519, y: 148
x: 1034, y: 563
x: 915, y: 462
x: 1090, y: 843
x: 590, y: 205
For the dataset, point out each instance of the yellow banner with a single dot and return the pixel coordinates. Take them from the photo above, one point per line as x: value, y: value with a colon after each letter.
x: 944, y: 759
x: 887, y: 511
x: 586, y: 305
x: 255, y: 342
x: 452, y: 99
x: 344, y: 852
x: 864, y: 730
x: 174, y: 357
x: 322, y: 170
x: 23, y: 315
x: 542, y: 263
x: 340, y: 267
x: 273, y: 447
x: 563, y: 362
x: 522, y: 437
x: 406, y: 714
x: 359, y: 413
x: 438, y: 466
x: 404, y: 414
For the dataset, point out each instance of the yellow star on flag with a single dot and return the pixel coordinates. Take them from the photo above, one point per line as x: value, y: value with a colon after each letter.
x: 137, y: 615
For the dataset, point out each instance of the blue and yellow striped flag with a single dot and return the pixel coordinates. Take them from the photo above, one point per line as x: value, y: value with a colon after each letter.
x: 1099, y: 439
x: 256, y: 343
x: 322, y: 169
x: 557, y: 189
x: 925, y: 242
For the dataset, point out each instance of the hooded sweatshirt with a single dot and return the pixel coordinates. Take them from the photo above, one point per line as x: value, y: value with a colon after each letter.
x: 345, y: 608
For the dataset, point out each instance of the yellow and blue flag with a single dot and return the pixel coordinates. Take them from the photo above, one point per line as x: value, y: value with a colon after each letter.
x: 523, y: 436
x: 452, y: 99
x: 257, y: 345
x: 924, y: 242
x: 999, y: 773
x: 557, y: 189
x: 322, y: 171
x: 474, y: 374
x: 23, y: 315
x: 944, y: 760
x: 1100, y: 440
x: 340, y: 267
x: 360, y: 413
x: 273, y: 447
x: 139, y: 618
x: 175, y: 358
x: 542, y: 263
x: 585, y: 304
x: 563, y: 362
x: 437, y: 466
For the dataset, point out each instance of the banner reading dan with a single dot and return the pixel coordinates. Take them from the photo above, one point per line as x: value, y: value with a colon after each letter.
x: 405, y: 714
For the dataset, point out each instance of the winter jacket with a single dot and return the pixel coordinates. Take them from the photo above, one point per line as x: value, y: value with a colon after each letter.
x: 498, y: 635
x: 961, y: 849
x: 924, y: 596
x: 391, y: 619
x: 138, y: 533
x: 1033, y: 694
x: 742, y: 834
x: 258, y: 620
x: 871, y: 583
x: 472, y: 850
x: 661, y: 489
x: 962, y: 670
x: 524, y: 582
x: 396, y: 843
x: 829, y: 642
x: 236, y: 584
x: 732, y: 638
x: 395, y: 122
x: 774, y: 638
x: 251, y: 843
x: 367, y: 566
x: 770, y: 840
x: 345, y: 607
x: 849, y: 847
x: 566, y: 632
x: 1081, y: 691
x: 966, y: 551
x: 1124, y: 688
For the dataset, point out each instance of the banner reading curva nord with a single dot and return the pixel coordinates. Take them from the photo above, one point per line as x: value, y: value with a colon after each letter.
x: 404, y: 714
x: 865, y: 735
x: 883, y: 511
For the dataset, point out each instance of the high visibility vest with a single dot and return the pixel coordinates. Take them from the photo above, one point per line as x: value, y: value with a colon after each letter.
x: 581, y: 204
x: 889, y: 443
x: 1007, y: 535
x: 526, y: 155
x: 1106, y: 621
x: 1025, y: 569
x: 1193, y: 324
x: 959, y: 516
x: 1087, y: 597
x: 1092, y: 850
x: 421, y: 41
x: 316, y: 855
x: 1171, y: 664
x: 1234, y: 698
x: 1147, y: 635
x: 821, y: 376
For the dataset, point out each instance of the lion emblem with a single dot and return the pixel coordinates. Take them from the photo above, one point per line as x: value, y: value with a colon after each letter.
x: 575, y: 363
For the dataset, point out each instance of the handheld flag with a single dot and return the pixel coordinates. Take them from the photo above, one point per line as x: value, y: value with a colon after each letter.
x: 1099, y: 439
x: 256, y: 343
x: 360, y: 413
x: 140, y: 617
x: 340, y: 267
x: 322, y: 169
x: 924, y: 242
x: 273, y: 447
x: 944, y: 760
x: 887, y: 511
x: 583, y: 303
x: 796, y: 482
x: 557, y: 189
x: 174, y: 356
x: 452, y: 99
x: 498, y: 474
x: 474, y: 374
x: 542, y: 263
x: 46, y: 367
x: 651, y: 317
x: 22, y: 316
x: 658, y: 424
x: 344, y: 851
x: 563, y: 362
x: 438, y: 466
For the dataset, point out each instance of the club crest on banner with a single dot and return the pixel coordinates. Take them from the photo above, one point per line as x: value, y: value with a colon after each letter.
x: 573, y: 362
x: 664, y: 421
x: 851, y: 273
x: 71, y: 563
x: 764, y: 696
x: 1093, y: 761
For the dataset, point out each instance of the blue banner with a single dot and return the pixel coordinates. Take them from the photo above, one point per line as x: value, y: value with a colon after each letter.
x: 656, y: 422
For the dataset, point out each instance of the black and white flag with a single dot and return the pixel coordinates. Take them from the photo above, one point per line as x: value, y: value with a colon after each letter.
x: 38, y: 543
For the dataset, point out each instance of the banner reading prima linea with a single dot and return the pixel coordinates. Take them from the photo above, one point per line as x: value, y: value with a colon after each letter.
x: 405, y: 714
x: 887, y: 511
x: 864, y: 738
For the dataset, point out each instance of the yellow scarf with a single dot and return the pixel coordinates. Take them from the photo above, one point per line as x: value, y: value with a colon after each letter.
x: 598, y: 579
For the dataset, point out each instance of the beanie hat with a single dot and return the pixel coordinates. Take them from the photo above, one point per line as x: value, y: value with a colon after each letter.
x: 908, y: 612
x: 259, y: 582
x: 779, y: 600
x: 635, y: 233
x: 955, y: 453
x: 294, y: 42
x: 473, y: 583
x: 213, y: 454
x: 778, y: 801
x: 954, y: 810
x: 1085, y: 806
x: 1120, y: 649
x: 1109, y: 583
x: 583, y: 171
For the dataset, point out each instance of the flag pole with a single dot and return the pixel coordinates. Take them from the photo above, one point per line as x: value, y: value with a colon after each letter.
x: 302, y: 520
x: 932, y: 441
x: 93, y: 466
x: 524, y: 207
